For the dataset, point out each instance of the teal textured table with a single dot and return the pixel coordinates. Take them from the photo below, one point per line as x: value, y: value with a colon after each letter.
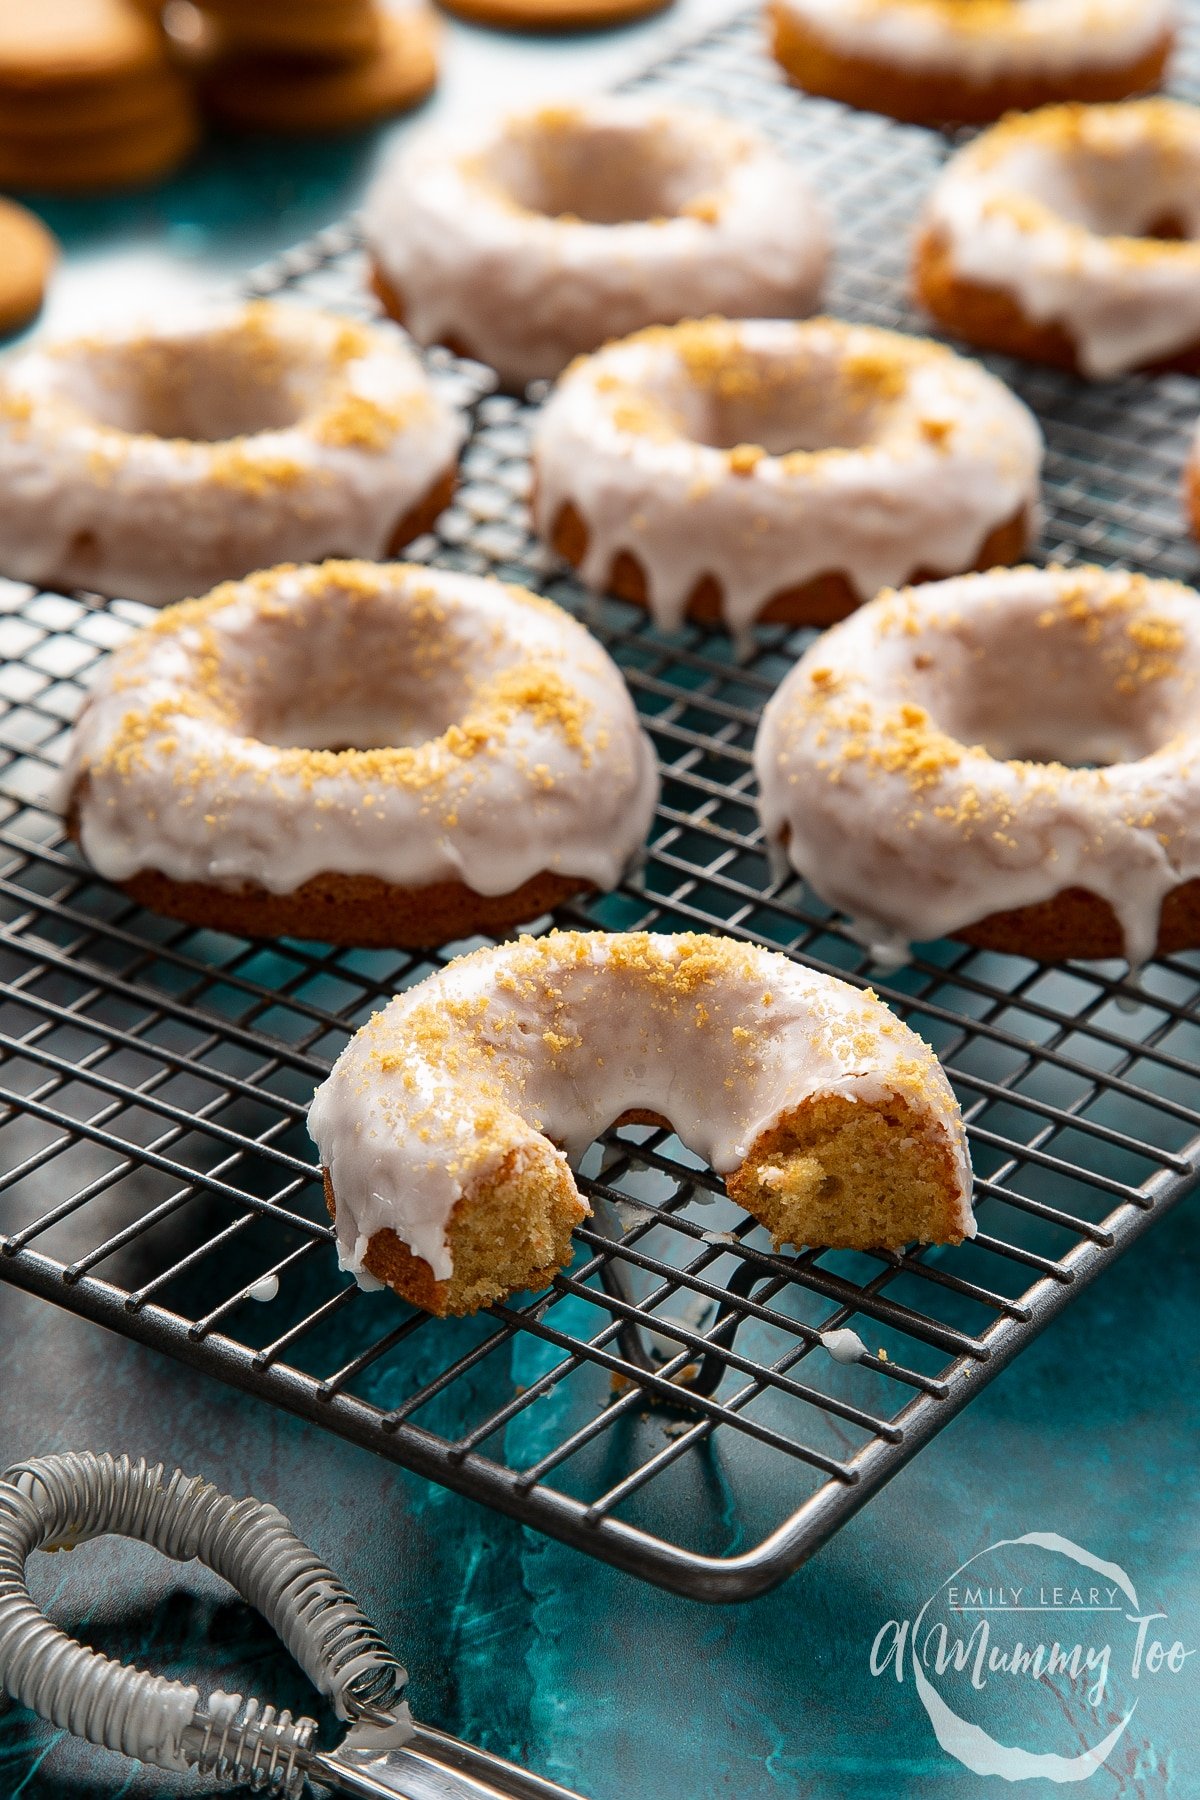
x: 512, y: 1640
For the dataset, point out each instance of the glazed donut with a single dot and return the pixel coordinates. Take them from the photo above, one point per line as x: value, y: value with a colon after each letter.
x: 943, y: 62
x: 446, y: 1126
x: 1010, y: 758
x: 151, y: 464
x: 496, y: 766
x: 771, y: 470
x: 551, y: 231
x: 1050, y: 237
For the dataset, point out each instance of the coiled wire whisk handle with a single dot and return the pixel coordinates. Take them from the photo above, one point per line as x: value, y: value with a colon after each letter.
x: 56, y: 1502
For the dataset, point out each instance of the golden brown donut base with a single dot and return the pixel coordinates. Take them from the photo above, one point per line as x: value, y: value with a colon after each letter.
x: 821, y: 601
x: 1079, y: 925
x: 424, y: 515
x: 993, y: 319
x: 918, y: 97
x: 359, y: 910
x: 553, y: 15
x: 853, y: 1177
x: 394, y: 305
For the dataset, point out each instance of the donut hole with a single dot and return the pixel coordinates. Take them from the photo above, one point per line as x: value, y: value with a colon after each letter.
x: 379, y: 707
x: 391, y: 722
x: 603, y: 172
x: 1140, y: 189
x: 799, y: 416
x: 206, y: 388
x: 354, y: 672
x: 784, y: 403
x: 1046, y: 686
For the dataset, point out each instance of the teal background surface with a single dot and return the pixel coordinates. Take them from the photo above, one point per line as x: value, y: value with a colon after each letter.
x: 511, y: 1640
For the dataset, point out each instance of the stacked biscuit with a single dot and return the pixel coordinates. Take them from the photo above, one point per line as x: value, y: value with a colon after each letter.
x: 313, y: 65
x: 88, y: 97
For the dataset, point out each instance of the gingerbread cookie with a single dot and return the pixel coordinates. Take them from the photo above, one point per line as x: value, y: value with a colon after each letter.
x: 52, y: 44
x: 27, y: 255
x: 333, y: 29
x: 88, y: 97
x: 553, y: 15
x: 268, y: 94
x: 90, y: 162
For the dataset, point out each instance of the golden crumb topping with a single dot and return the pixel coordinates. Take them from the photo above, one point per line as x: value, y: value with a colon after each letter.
x: 1139, y: 645
x: 352, y: 421
x: 292, y: 600
x: 467, y: 1048
x: 1087, y: 140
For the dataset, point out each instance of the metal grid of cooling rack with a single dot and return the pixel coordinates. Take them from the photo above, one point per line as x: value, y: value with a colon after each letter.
x: 667, y: 1404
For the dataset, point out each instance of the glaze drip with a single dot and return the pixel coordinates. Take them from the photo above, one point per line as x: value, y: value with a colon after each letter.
x: 389, y: 720
x: 897, y: 760
x: 1060, y: 208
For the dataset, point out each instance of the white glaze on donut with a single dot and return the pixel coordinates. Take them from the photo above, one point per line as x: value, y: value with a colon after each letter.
x: 199, y: 753
x: 1050, y: 208
x: 983, y: 40
x: 685, y: 213
x: 929, y: 454
x: 893, y: 757
x: 555, y: 1038
x: 152, y: 463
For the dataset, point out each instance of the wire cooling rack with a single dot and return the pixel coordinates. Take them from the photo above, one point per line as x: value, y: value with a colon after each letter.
x: 667, y: 1404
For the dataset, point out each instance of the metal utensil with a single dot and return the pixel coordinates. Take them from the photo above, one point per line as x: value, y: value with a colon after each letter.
x: 56, y: 1502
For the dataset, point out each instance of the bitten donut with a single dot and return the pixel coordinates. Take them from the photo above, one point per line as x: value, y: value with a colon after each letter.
x: 549, y: 232
x: 151, y: 464
x: 1010, y: 758
x: 360, y: 754
x: 943, y: 62
x: 771, y: 470
x: 1068, y: 237
x: 446, y: 1126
